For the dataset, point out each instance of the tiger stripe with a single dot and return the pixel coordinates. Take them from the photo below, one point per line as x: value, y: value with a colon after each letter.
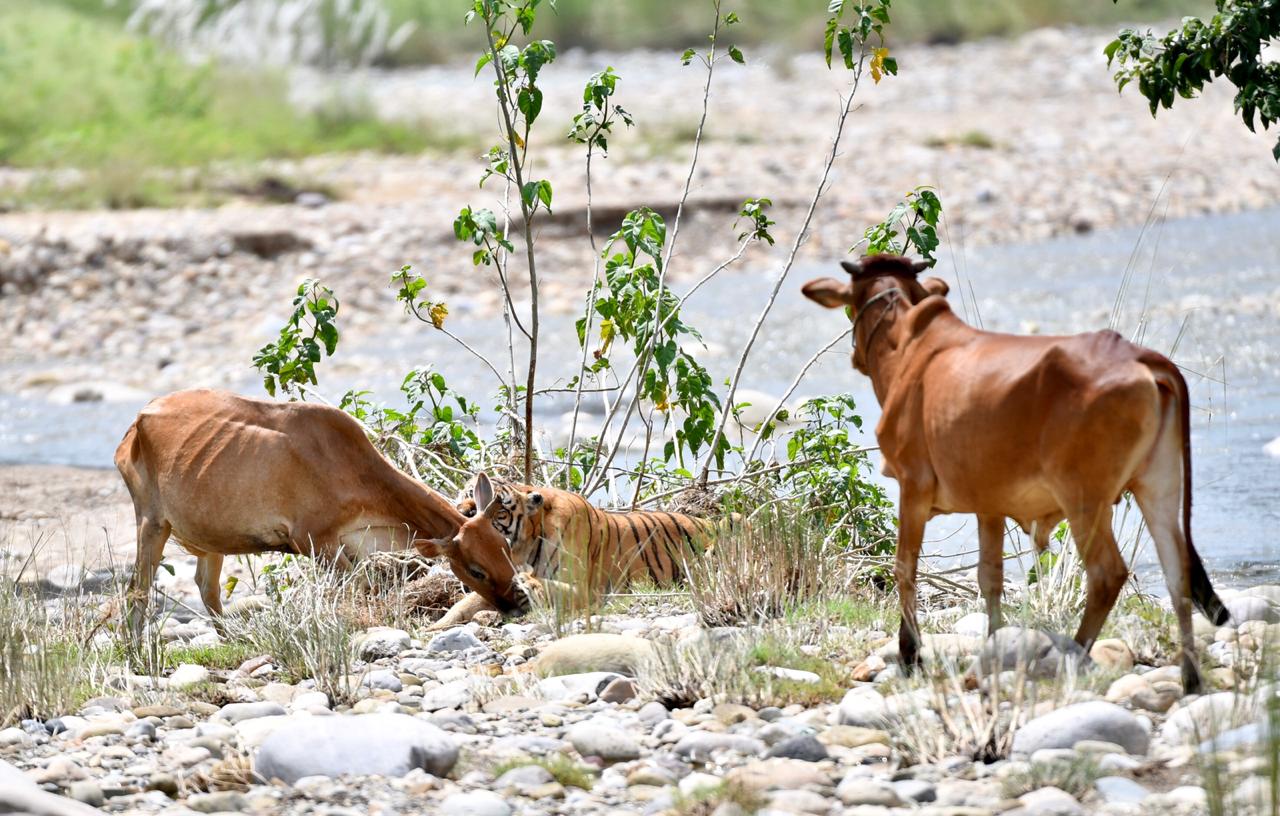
x: 549, y: 531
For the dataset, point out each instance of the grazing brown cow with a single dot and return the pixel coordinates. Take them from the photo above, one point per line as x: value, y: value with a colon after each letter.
x: 228, y: 475
x: 1036, y: 429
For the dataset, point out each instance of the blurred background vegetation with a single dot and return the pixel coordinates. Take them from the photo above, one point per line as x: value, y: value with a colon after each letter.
x: 80, y: 87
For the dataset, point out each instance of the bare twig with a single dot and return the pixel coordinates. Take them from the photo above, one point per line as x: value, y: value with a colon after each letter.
x: 791, y: 390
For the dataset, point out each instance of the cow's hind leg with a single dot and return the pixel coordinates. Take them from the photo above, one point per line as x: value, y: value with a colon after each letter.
x: 153, y: 533
x: 1105, y: 570
x: 912, y: 516
x: 208, y: 579
x: 991, y: 567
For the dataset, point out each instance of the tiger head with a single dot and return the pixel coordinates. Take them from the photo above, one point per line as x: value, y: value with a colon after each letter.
x: 484, y: 543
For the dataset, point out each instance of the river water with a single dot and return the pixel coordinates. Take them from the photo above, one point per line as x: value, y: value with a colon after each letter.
x: 1205, y: 290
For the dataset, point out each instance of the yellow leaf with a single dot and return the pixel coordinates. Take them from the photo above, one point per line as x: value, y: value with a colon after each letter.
x: 230, y: 584
x: 519, y: 142
x: 877, y: 63
x: 437, y: 314
x: 607, y: 333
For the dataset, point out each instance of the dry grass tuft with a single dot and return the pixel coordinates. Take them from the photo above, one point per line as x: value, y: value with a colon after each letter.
x: 763, y: 570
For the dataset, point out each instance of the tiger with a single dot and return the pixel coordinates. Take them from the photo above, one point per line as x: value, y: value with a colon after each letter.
x: 553, y: 536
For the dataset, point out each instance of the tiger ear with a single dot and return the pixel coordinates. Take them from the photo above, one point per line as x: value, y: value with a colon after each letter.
x: 483, y: 492
x: 533, y: 500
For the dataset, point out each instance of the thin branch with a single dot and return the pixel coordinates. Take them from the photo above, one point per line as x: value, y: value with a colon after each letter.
x: 801, y: 237
x: 795, y: 384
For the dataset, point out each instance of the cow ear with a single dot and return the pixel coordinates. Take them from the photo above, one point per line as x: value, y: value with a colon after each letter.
x: 483, y: 492
x: 935, y: 286
x: 828, y: 292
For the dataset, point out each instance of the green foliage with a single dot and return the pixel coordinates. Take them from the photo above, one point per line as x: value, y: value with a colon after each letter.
x: 593, y: 126
x: 917, y: 217
x: 289, y: 364
x: 1229, y: 44
x: 866, y: 20
x: 755, y: 212
x: 81, y: 93
x: 438, y: 419
x: 831, y: 474
x: 226, y: 655
x: 636, y: 307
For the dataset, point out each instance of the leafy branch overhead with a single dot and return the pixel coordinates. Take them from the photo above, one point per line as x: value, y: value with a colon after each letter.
x: 1229, y: 44
x: 289, y: 364
x: 916, y: 216
x: 851, y: 38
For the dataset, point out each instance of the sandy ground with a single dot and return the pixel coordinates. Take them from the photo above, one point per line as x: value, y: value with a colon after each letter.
x: 64, y: 516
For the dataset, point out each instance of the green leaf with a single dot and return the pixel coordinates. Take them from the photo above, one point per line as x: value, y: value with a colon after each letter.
x: 735, y: 54
x: 687, y: 56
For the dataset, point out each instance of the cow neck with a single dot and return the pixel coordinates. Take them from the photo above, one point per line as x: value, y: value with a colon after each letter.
x: 887, y: 348
x: 432, y: 514
x: 877, y: 348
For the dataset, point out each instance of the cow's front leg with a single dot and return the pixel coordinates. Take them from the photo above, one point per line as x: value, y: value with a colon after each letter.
x: 991, y: 567
x: 912, y: 515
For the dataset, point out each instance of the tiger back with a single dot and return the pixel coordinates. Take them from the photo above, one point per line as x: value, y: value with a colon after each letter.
x: 558, y: 534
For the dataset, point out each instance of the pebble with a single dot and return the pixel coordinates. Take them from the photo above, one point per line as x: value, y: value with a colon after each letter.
x: 856, y: 789
x: 804, y: 747
x: 234, y: 713
x: 218, y: 802
x: 475, y: 803
x: 1120, y: 790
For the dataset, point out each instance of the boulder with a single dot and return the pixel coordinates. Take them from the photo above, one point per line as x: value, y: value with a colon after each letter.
x: 1094, y: 720
x: 19, y: 795
x: 864, y: 707
x: 595, y: 653
x: 1042, y: 654
x: 383, y: 744
x: 381, y: 641
x: 1050, y: 802
x: 698, y: 746
x: 1207, y: 716
x: 1244, y: 608
x: 457, y: 639
x: 603, y: 740
x: 567, y: 686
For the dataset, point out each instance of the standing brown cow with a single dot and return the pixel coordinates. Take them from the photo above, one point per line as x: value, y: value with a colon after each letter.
x: 1036, y: 429
x: 229, y: 475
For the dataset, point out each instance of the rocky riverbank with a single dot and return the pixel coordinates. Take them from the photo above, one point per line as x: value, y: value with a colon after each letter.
x: 655, y: 717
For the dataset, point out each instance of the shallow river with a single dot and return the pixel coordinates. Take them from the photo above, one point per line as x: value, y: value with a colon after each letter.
x: 1205, y: 289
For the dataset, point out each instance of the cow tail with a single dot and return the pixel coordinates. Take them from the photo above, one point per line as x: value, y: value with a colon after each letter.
x: 1202, y: 592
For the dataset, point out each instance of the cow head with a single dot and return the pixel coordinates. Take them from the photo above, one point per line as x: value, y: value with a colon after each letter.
x: 480, y: 557
x: 878, y: 285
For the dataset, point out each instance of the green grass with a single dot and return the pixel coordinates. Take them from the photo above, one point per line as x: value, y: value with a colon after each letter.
x: 773, y: 651
x: 78, y: 92
x: 874, y: 611
x: 562, y: 768
x: 226, y: 655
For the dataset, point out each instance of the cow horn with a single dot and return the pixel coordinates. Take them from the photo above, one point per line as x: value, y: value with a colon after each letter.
x: 852, y: 267
x: 920, y: 266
